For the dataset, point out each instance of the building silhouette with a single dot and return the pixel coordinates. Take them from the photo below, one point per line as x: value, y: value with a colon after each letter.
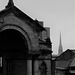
x: 22, y: 50
x: 55, y: 56
x: 65, y: 63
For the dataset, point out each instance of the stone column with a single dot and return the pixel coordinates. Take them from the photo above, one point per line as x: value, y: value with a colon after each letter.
x: 4, y: 66
x: 36, y: 67
x: 29, y: 67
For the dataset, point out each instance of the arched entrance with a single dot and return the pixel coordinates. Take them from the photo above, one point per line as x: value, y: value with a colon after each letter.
x: 13, y: 50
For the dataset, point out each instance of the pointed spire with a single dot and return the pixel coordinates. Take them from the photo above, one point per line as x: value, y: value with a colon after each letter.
x: 10, y: 3
x: 60, y: 39
x: 60, y: 49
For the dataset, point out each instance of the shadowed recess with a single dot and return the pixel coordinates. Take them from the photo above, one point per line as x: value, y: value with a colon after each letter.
x: 12, y: 40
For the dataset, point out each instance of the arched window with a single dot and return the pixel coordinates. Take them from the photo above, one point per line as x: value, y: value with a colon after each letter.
x: 43, y: 68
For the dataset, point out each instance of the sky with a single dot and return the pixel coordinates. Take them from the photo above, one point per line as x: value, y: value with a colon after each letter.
x: 59, y: 15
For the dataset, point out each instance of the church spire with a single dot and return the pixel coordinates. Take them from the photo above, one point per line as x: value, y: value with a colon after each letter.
x: 10, y: 3
x: 60, y: 49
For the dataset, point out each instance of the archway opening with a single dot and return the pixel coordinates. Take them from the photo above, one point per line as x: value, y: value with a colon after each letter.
x: 12, y: 41
x: 14, y: 49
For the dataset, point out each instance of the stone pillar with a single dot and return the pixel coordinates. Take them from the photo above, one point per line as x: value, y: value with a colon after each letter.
x: 4, y: 66
x: 36, y: 67
x: 29, y: 67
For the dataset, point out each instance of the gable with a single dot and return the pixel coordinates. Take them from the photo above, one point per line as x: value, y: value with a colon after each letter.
x: 11, y: 21
x: 18, y: 13
x: 14, y: 20
x: 72, y: 64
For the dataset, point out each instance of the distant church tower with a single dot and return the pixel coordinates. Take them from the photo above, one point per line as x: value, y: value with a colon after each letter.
x: 60, y: 49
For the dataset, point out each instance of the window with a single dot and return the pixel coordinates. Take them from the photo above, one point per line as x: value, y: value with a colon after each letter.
x: 43, y: 68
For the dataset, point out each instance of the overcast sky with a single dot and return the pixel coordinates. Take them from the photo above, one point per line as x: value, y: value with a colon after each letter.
x: 59, y: 15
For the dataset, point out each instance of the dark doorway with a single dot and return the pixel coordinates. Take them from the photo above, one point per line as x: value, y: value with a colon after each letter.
x: 12, y: 39
x: 13, y: 48
x: 16, y: 67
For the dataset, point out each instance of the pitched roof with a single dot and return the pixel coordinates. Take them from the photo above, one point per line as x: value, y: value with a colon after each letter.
x: 68, y: 54
x: 66, y: 59
x: 23, y: 16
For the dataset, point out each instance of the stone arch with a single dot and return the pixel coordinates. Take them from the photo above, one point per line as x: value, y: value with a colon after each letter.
x: 19, y: 29
x: 16, y: 58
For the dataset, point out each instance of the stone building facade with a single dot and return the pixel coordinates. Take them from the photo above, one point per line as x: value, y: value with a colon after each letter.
x: 22, y: 51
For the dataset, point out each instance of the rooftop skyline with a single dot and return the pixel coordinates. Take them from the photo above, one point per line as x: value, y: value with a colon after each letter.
x: 59, y: 15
